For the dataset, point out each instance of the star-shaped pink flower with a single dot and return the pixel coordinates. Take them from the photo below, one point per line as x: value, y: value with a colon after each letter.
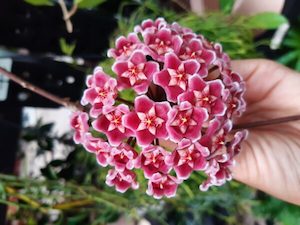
x: 185, y: 33
x: 99, y: 147
x: 79, y: 122
x: 161, y: 185
x: 122, y: 157
x: 110, y: 123
x: 194, y: 50
x: 152, y: 160
x: 160, y: 43
x: 209, y: 95
x: 218, y: 164
x: 188, y: 157
x: 215, y: 137
x: 148, y: 121
x: 124, y: 46
x: 122, y: 180
x: 185, y: 121
x: 102, y: 91
x: 235, y: 102
x: 174, y: 77
x: 135, y: 72
x: 150, y: 25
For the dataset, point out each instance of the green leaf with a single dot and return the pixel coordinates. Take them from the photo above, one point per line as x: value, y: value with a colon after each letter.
x: 46, y: 128
x: 66, y: 48
x: 2, y: 192
x: 40, y: 2
x: 297, y: 67
x: 57, y: 163
x: 127, y: 94
x: 76, y: 220
x: 89, y: 4
x: 49, y: 173
x: 292, y: 43
x: 107, y: 65
x: 226, y: 6
x: 287, y: 58
x: 267, y: 20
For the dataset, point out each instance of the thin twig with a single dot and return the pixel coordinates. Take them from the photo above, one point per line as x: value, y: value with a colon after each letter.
x: 72, y: 11
x: 67, y: 14
x: 61, y: 101
x: 266, y: 122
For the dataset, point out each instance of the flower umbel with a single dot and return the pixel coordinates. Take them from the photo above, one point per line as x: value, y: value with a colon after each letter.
x: 180, y: 120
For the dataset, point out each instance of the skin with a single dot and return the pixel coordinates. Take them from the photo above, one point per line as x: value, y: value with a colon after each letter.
x: 270, y: 157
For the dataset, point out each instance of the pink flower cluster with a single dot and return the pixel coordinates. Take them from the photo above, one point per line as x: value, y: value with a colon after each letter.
x: 181, y: 118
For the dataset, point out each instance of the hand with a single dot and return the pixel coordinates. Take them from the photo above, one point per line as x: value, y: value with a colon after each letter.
x: 270, y: 157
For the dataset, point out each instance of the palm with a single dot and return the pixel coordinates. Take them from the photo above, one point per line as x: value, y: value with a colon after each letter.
x: 270, y: 156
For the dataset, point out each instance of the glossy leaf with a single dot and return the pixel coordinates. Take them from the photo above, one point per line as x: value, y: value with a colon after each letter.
x: 40, y: 2
x: 287, y: 58
x: 77, y: 219
x: 89, y: 4
x: 66, y: 48
x: 297, y: 67
x: 226, y: 6
x: 267, y: 20
x: 128, y: 94
x: 2, y: 192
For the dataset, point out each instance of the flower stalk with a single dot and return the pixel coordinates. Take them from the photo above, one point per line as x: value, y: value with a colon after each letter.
x: 268, y: 122
x: 29, y: 86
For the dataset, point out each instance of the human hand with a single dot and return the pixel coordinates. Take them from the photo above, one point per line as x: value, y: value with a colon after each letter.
x: 270, y: 157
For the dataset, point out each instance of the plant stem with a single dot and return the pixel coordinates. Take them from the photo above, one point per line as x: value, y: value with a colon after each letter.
x: 73, y: 204
x: 61, y: 101
x: 266, y: 122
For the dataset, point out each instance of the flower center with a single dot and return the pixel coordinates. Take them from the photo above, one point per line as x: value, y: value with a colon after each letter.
x: 149, y: 121
x: 135, y: 73
x: 153, y: 158
x: 219, y: 142
x: 102, y: 94
x: 183, y: 120
x: 178, y: 77
x: 126, y: 49
x: 204, y: 99
x: 161, y: 46
x: 185, y: 157
x: 78, y: 124
x: 115, y: 119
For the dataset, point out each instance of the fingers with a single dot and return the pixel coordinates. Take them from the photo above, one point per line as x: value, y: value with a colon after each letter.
x: 265, y: 163
x: 261, y: 77
x: 250, y: 67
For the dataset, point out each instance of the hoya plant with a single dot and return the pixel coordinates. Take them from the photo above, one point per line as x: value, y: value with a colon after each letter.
x: 185, y: 93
